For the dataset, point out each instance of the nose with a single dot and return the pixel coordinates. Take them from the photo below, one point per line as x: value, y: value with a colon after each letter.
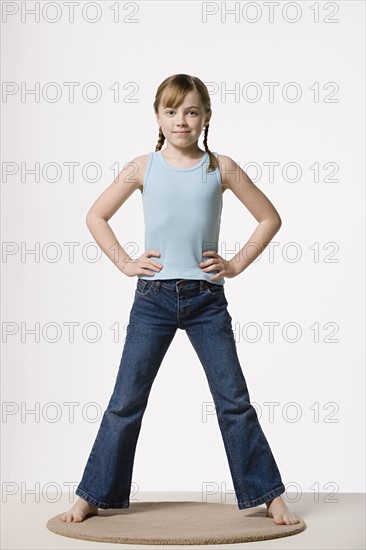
x: 181, y: 120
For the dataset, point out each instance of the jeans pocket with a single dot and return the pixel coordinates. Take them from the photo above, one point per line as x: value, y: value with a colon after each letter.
x: 214, y: 289
x: 144, y: 286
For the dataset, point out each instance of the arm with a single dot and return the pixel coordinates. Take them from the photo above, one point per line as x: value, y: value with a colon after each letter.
x: 269, y: 221
x: 128, y: 180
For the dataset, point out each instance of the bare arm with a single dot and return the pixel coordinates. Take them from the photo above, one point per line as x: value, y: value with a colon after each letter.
x: 128, y: 180
x: 269, y: 221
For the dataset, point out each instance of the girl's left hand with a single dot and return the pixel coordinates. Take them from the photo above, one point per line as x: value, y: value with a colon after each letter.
x: 226, y: 268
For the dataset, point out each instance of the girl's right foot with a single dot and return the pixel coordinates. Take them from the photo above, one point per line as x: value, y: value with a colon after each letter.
x: 79, y: 511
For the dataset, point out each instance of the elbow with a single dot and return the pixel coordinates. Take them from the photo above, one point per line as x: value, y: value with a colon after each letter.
x: 278, y: 224
x: 89, y: 219
x: 276, y: 220
x: 275, y: 223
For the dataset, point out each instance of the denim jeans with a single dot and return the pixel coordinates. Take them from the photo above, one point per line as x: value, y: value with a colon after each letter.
x: 160, y: 307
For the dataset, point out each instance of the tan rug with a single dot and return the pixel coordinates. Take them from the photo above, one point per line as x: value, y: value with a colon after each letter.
x: 176, y: 523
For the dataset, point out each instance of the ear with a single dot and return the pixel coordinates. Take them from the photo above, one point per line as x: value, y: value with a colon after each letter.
x: 208, y: 117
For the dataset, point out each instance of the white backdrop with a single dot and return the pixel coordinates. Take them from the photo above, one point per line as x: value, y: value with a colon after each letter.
x: 287, y: 91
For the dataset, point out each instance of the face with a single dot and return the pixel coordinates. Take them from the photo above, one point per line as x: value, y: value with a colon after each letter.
x: 183, y: 126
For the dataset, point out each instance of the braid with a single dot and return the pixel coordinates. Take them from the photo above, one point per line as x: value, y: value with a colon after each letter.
x: 160, y: 140
x: 213, y: 160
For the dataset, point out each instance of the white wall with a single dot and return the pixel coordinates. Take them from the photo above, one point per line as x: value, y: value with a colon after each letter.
x: 320, y: 377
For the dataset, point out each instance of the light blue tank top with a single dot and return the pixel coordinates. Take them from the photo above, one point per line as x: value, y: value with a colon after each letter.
x: 182, y: 212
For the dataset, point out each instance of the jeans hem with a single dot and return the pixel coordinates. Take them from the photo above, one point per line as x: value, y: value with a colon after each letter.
x: 261, y: 500
x: 99, y: 503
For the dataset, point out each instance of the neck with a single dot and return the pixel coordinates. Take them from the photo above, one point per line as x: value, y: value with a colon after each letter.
x: 192, y: 151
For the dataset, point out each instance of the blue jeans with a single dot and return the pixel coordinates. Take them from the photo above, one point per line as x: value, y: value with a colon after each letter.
x: 160, y: 307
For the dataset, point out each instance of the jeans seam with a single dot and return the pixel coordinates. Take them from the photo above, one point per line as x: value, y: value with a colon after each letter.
x: 144, y: 293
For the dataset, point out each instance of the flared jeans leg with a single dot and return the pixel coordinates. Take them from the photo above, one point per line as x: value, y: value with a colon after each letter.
x: 107, y: 477
x: 256, y: 477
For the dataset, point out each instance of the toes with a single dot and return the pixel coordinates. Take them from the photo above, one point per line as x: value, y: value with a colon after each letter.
x: 293, y: 520
x: 283, y: 520
x: 71, y: 516
x: 286, y: 518
x: 77, y: 519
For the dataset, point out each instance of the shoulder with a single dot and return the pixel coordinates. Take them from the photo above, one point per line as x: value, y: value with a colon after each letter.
x: 138, y: 169
x: 140, y: 163
x: 226, y: 162
x: 227, y: 167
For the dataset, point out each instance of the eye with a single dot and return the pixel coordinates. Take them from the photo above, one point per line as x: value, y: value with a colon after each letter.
x: 171, y: 111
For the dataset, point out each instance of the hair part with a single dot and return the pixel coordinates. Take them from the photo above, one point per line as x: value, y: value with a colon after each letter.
x: 172, y: 92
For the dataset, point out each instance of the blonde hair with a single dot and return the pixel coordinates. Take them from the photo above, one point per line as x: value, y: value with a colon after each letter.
x: 173, y: 89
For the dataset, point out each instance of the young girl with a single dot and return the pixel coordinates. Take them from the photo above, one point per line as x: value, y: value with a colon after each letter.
x: 180, y: 284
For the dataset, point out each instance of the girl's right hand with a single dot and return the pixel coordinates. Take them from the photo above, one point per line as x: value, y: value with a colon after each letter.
x: 143, y: 265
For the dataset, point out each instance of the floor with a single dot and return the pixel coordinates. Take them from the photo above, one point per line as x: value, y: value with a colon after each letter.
x: 330, y: 525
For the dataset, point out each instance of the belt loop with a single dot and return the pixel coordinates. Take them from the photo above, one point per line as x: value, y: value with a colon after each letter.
x: 157, y: 285
x: 202, y: 285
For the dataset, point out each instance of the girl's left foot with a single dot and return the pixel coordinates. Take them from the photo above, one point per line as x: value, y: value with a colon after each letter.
x: 277, y: 509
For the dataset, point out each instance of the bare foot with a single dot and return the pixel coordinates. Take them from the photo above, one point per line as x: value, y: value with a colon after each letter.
x: 79, y: 511
x: 277, y: 509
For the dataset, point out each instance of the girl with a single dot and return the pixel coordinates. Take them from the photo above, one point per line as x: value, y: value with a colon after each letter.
x: 180, y: 284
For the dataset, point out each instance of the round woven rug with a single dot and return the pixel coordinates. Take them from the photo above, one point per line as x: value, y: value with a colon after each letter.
x: 175, y: 523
